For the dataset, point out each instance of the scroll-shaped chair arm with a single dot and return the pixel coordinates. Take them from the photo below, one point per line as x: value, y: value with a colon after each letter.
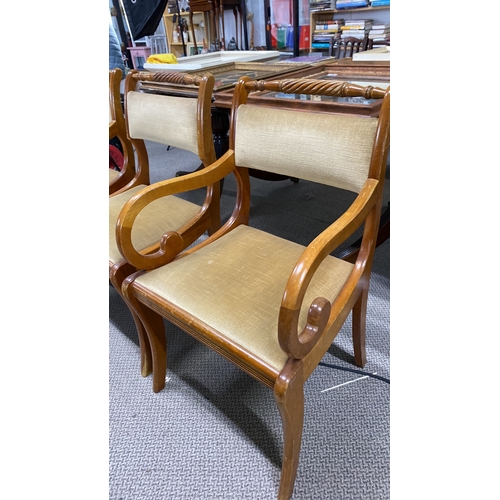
x: 171, y: 243
x: 298, y: 344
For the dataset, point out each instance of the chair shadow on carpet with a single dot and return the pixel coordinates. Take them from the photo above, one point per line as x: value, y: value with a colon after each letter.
x: 243, y: 418
x: 121, y: 317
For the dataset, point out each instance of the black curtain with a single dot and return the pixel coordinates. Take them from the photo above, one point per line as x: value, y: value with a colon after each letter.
x: 144, y: 16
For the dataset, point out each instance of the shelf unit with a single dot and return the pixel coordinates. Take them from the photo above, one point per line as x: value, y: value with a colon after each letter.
x: 175, y: 46
x: 329, y: 14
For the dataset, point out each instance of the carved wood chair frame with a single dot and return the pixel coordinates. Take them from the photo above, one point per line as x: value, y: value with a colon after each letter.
x: 208, y: 216
x: 304, y: 348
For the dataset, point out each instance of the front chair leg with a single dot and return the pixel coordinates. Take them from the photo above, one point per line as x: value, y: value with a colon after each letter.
x: 359, y: 328
x: 155, y: 330
x: 289, y: 396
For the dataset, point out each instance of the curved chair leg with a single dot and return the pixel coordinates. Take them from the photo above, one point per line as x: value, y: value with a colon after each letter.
x: 359, y: 328
x: 289, y: 396
x: 117, y: 275
x: 155, y: 330
x: 146, y: 358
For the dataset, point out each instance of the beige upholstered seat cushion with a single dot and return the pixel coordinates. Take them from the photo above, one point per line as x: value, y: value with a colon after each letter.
x: 166, y: 214
x: 113, y: 174
x: 236, y: 284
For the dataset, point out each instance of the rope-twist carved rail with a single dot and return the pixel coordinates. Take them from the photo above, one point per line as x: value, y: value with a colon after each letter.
x: 170, y: 77
x: 319, y: 87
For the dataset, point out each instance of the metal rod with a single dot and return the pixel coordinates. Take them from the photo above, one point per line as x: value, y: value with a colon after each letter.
x: 180, y: 28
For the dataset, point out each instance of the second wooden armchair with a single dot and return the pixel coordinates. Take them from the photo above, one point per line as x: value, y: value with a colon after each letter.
x: 269, y: 305
x: 169, y: 225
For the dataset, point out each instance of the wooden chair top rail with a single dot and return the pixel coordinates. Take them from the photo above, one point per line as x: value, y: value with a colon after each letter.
x: 317, y: 87
x: 172, y: 77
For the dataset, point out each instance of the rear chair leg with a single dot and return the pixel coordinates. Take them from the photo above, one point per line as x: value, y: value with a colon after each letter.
x: 145, y: 347
x: 155, y: 330
x: 359, y: 328
x: 289, y: 396
x: 117, y: 276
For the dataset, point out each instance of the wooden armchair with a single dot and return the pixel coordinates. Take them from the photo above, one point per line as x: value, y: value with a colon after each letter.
x: 271, y: 306
x: 171, y: 224
x: 119, y: 179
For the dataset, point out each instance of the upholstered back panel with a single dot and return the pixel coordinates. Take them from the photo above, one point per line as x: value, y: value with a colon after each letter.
x: 330, y: 149
x: 165, y: 119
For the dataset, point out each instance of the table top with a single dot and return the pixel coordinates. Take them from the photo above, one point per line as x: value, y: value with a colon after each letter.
x: 372, y: 73
x: 376, y: 73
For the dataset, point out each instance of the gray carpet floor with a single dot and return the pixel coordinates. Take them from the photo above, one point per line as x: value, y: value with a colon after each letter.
x: 214, y: 432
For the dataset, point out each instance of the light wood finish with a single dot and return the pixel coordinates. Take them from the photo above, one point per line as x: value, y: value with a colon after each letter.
x: 179, y: 221
x: 117, y: 129
x: 273, y: 319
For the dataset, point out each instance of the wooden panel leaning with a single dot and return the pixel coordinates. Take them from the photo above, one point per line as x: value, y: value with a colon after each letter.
x: 271, y: 306
x: 119, y: 179
x: 170, y: 224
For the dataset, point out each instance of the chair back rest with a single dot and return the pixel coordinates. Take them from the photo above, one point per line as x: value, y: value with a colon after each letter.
x: 177, y: 114
x: 332, y: 149
x: 346, y: 47
x: 164, y: 119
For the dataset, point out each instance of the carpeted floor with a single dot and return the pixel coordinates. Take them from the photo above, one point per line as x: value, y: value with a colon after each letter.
x: 214, y: 432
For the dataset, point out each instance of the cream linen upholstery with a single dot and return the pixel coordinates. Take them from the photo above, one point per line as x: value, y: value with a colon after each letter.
x: 332, y: 150
x: 113, y: 174
x: 230, y: 286
x: 166, y: 214
x: 154, y: 118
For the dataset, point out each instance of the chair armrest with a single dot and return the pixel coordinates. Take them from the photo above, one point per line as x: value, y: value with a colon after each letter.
x: 171, y: 243
x: 298, y: 344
